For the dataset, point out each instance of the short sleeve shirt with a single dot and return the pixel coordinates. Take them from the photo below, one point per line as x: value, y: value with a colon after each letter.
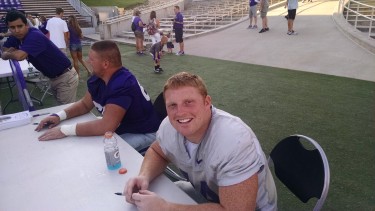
x: 178, y: 18
x: 57, y: 27
x: 157, y: 47
x: 136, y: 21
x: 228, y: 154
x: 42, y: 53
x: 252, y: 3
x: 73, y: 36
x: 42, y: 28
x: 124, y: 90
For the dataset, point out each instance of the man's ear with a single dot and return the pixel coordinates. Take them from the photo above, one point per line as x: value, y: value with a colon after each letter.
x: 207, y: 100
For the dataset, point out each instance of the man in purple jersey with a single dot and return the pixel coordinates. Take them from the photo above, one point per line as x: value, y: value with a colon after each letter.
x: 29, y: 43
x: 178, y: 25
x: 116, y: 93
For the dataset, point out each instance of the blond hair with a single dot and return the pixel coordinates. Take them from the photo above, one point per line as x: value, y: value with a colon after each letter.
x: 184, y: 79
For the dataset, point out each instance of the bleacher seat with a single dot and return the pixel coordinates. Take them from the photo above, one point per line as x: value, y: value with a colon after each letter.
x: 8, y: 4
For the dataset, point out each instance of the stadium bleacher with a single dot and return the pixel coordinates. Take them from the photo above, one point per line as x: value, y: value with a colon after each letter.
x: 8, y: 4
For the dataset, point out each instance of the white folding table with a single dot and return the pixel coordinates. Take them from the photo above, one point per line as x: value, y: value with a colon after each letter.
x: 6, y: 72
x: 68, y: 173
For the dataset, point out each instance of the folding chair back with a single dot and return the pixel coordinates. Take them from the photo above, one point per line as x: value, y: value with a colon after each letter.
x: 305, y: 172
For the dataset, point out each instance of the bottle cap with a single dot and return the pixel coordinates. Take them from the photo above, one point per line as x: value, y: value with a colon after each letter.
x: 108, y: 134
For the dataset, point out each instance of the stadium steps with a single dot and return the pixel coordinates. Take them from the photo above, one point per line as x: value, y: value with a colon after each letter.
x: 199, y: 18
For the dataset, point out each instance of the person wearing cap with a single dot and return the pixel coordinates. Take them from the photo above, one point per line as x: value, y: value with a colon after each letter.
x: 29, y: 43
x: 138, y: 33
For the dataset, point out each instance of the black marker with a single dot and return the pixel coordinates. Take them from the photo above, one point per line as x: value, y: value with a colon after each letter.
x: 35, y: 115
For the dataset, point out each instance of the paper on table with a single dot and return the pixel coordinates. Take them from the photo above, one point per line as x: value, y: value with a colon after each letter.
x: 15, y: 120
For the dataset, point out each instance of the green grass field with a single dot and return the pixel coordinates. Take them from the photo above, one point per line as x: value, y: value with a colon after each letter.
x: 337, y: 112
x: 119, y: 3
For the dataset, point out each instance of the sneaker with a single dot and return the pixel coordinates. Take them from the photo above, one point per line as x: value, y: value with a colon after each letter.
x: 180, y: 53
x: 254, y: 27
x: 160, y: 69
x: 250, y: 27
x: 263, y: 30
x: 292, y: 33
x: 156, y: 70
x: 267, y: 29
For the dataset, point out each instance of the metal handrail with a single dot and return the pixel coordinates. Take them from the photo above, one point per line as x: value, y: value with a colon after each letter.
x: 145, y: 9
x: 84, y: 10
x: 346, y: 4
x: 218, y: 14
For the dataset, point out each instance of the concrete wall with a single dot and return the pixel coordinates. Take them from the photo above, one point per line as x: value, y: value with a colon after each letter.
x: 108, y: 31
x: 106, y: 12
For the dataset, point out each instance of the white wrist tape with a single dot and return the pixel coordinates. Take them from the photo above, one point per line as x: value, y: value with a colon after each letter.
x: 62, y: 115
x: 69, y: 130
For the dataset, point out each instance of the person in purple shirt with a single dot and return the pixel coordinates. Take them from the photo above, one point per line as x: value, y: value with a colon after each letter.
x: 138, y: 33
x: 43, y: 25
x: 117, y: 95
x: 178, y: 25
x: 29, y: 43
x: 75, y: 45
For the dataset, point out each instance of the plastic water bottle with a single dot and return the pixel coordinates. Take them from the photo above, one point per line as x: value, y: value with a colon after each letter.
x: 111, y: 151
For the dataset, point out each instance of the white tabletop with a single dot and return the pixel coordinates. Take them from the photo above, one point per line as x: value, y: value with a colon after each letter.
x: 6, y: 70
x: 68, y: 174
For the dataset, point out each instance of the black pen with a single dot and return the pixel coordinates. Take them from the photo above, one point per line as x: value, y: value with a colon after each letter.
x: 119, y: 194
x: 35, y: 115
x: 5, y: 118
x: 46, y: 124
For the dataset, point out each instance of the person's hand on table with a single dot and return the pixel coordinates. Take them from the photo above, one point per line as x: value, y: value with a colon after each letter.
x: 134, y: 185
x: 50, y: 122
x: 146, y: 200
x: 53, y: 133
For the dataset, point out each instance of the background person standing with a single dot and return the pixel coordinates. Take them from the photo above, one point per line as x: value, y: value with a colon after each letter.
x: 138, y: 33
x: 178, y: 25
x: 43, y: 25
x: 253, y: 14
x: 153, y: 28
x: 58, y: 30
x: 292, y: 10
x: 75, y: 44
x: 263, y: 9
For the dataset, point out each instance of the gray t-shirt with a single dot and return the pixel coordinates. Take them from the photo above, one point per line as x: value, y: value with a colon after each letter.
x: 228, y: 154
x: 157, y: 47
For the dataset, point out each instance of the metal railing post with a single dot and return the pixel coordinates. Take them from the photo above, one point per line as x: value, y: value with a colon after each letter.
x: 347, y: 11
x: 356, y: 16
x: 371, y: 21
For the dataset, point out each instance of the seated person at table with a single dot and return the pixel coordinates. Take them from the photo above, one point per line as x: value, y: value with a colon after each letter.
x: 217, y: 152
x: 29, y: 43
x: 116, y: 93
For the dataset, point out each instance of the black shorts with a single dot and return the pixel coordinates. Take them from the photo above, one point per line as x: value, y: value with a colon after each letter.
x: 292, y: 14
x: 178, y: 35
x: 170, y: 45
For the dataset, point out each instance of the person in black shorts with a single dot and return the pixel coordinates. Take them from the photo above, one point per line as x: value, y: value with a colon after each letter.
x: 178, y: 25
x: 292, y: 10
